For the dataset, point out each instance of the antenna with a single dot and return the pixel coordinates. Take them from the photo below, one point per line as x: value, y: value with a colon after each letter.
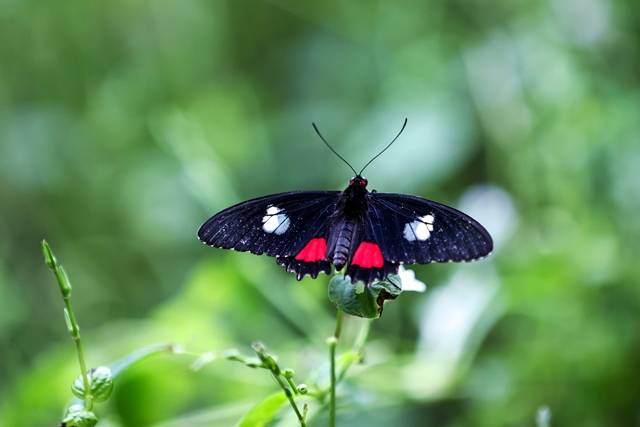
x: 334, y: 151
x: 385, y: 148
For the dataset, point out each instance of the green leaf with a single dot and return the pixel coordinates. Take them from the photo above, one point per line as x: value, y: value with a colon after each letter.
x: 360, y: 300
x: 264, y: 412
x: 393, y: 285
x: 354, y: 299
x: 138, y: 356
x: 349, y: 357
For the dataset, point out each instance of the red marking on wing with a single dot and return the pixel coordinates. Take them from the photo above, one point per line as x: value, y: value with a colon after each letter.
x: 368, y: 255
x: 314, y: 250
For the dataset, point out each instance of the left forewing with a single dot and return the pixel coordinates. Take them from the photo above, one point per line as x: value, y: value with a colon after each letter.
x: 275, y: 225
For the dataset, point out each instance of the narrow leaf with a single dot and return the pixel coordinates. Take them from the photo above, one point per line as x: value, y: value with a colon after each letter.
x: 264, y: 412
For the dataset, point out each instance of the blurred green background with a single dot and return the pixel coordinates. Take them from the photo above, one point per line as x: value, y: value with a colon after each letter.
x: 124, y: 124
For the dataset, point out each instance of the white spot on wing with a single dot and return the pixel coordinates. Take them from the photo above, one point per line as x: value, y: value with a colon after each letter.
x: 420, y: 229
x: 275, y: 221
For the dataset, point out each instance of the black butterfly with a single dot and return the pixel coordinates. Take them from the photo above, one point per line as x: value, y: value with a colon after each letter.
x: 370, y: 233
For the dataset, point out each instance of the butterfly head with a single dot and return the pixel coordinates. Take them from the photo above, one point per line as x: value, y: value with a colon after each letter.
x: 358, y: 181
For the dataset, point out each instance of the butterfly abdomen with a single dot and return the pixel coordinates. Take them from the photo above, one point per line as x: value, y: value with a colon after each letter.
x: 343, y: 241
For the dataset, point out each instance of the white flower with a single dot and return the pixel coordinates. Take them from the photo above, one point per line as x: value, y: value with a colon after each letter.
x: 409, y: 282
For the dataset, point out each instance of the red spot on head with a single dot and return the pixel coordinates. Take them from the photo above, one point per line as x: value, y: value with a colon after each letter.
x: 368, y: 255
x: 314, y: 250
x: 359, y: 181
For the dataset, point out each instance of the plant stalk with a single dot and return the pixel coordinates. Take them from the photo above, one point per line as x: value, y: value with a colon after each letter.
x: 358, y: 346
x: 289, y: 394
x: 270, y: 363
x: 70, y: 318
x: 75, y: 335
x: 333, y: 343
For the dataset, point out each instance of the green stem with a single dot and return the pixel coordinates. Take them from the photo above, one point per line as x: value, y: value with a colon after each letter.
x: 358, y: 346
x: 333, y: 343
x: 289, y: 394
x: 75, y: 335
x: 269, y: 362
x: 70, y: 318
x: 292, y: 384
x: 339, y: 317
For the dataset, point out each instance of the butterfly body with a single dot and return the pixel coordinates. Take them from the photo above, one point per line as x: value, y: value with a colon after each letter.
x: 350, y: 211
x: 368, y: 234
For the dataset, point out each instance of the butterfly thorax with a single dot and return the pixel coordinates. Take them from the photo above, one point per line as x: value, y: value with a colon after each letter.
x: 353, y: 202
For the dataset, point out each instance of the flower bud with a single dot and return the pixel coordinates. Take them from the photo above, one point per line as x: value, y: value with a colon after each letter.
x: 271, y: 363
x: 268, y: 360
x: 100, y: 384
x: 303, y: 389
x: 288, y: 373
x: 49, y: 258
x: 64, y: 282
x: 258, y: 347
x: 77, y: 416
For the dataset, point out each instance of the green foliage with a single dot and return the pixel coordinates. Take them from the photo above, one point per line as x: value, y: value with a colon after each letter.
x: 264, y: 412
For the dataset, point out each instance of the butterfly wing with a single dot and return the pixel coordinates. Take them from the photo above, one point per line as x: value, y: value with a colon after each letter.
x: 275, y: 225
x: 290, y: 226
x: 411, y: 229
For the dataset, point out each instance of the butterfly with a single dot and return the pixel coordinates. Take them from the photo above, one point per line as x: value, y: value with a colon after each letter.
x: 367, y: 233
